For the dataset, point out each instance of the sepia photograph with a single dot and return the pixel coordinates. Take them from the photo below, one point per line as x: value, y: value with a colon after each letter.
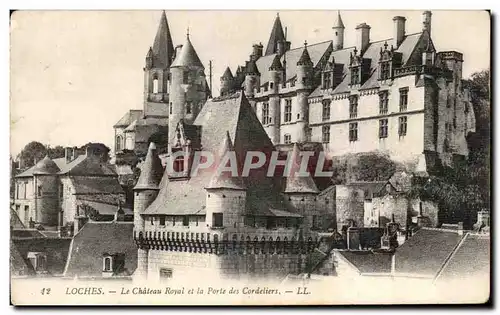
x: 250, y: 157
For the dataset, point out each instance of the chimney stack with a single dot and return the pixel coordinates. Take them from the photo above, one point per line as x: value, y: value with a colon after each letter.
x: 399, y: 30
x: 177, y: 51
x: 257, y: 51
x: 426, y: 21
x: 69, y: 153
x: 363, y: 37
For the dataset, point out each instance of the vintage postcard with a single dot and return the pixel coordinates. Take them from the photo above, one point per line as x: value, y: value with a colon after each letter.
x: 250, y: 157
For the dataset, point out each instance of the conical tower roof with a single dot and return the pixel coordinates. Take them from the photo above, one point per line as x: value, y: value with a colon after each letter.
x: 187, y: 56
x: 151, y: 172
x: 251, y: 68
x: 228, y: 74
x: 46, y: 167
x: 163, y: 47
x: 296, y: 182
x: 338, y: 23
x: 277, y: 35
x: 304, y: 59
x: 225, y: 180
x: 276, y: 65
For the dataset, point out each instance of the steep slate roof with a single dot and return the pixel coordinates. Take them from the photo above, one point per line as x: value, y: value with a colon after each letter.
x: 163, y: 47
x: 15, y: 221
x: 277, y: 35
x: 367, y: 261
x: 276, y: 65
x: 96, y: 239
x: 104, y: 208
x: 128, y: 118
x: 226, y: 180
x: 151, y: 170
x: 19, y: 266
x: 219, y: 116
x: 104, y: 185
x: 131, y: 127
x: 304, y: 59
x: 297, y: 183
x: 187, y: 56
x: 45, y: 167
x: 228, y: 74
x: 426, y: 251
x: 338, y: 23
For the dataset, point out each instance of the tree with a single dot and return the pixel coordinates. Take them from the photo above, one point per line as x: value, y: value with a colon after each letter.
x: 56, y: 152
x: 33, y: 151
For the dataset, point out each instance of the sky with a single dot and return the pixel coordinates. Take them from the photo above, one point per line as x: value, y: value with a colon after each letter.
x: 74, y: 74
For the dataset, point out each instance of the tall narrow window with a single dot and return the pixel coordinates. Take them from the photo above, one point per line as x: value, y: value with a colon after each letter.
x: 383, y: 128
x: 403, y: 126
x: 385, y: 71
x: 188, y: 108
x: 265, y: 113
x: 288, y: 110
x: 170, y: 108
x: 353, y: 132
x: 383, y: 102
x: 403, y: 99
x: 107, y: 264
x: 185, y: 220
x: 155, y: 85
x: 179, y: 164
x: 353, y: 106
x: 185, y: 77
x: 325, y: 138
x: 217, y: 220
x: 162, y: 220
x: 355, y: 76
x: 287, y: 139
x: 326, y: 109
x: 118, y: 143
x: 39, y: 191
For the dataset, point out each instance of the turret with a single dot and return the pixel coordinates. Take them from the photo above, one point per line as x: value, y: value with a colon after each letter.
x: 338, y: 33
x: 188, y: 90
x: 301, y: 189
x: 226, y: 82
x: 147, y: 187
x: 276, y: 73
x: 304, y: 85
x: 252, y: 78
x: 226, y: 191
x: 277, y: 39
x: 46, y: 183
x: 156, y: 70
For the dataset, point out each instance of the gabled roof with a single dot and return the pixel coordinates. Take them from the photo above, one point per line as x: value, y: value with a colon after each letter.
x: 276, y: 65
x: 96, y: 239
x: 163, y: 47
x: 366, y: 262
x: 304, y: 59
x: 219, y: 116
x: 228, y: 74
x: 277, y: 35
x: 151, y: 170
x: 46, y: 167
x: 187, y: 56
x: 128, y: 118
x: 296, y: 182
x: 225, y: 179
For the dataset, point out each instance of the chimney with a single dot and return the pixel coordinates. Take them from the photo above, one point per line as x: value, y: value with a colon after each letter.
x: 280, y: 48
x: 426, y: 21
x: 399, y: 30
x: 363, y: 37
x: 177, y: 50
x: 257, y: 51
x: 69, y: 153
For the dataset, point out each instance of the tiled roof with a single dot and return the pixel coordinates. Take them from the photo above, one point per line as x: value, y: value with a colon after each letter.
x: 106, y: 208
x: 471, y: 259
x: 368, y: 261
x: 55, y: 249
x: 227, y: 74
x: 15, y: 221
x: 163, y: 47
x: 129, y: 117
x: 187, y: 56
x: 26, y: 233
x: 96, y: 239
x: 96, y: 185
x: 225, y: 179
x: 45, y: 167
x: 19, y: 266
x: 426, y: 252
x: 219, y: 116
x: 151, y: 170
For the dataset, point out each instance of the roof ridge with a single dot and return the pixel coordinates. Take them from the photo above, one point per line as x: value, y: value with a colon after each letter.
x: 450, y: 256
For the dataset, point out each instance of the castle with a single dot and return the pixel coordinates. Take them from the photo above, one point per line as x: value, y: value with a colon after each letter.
x: 399, y: 95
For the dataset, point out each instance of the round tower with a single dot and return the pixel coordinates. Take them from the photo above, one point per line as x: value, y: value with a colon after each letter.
x: 46, y: 201
x: 276, y: 72
x: 225, y: 194
x: 252, y: 78
x: 304, y: 86
x: 145, y: 192
x: 226, y: 82
x: 338, y: 33
x: 188, y: 90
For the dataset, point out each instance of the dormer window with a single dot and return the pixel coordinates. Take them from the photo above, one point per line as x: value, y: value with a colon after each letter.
x: 113, y: 264
x: 326, y: 110
x: 107, y: 264
x: 179, y: 164
x: 327, y: 80
x: 385, y: 70
x: 355, y: 76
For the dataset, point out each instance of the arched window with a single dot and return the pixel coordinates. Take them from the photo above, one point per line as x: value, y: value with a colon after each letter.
x: 155, y: 85
x: 118, y: 144
x: 179, y: 164
x: 107, y: 263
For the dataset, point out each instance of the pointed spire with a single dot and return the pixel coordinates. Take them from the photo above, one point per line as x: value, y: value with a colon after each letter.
x: 187, y: 56
x: 305, y: 59
x: 296, y: 183
x: 163, y: 47
x: 225, y: 180
x: 338, y: 23
x: 276, y: 65
x: 150, y: 53
x: 277, y: 35
x: 228, y: 74
x: 151, y: 171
